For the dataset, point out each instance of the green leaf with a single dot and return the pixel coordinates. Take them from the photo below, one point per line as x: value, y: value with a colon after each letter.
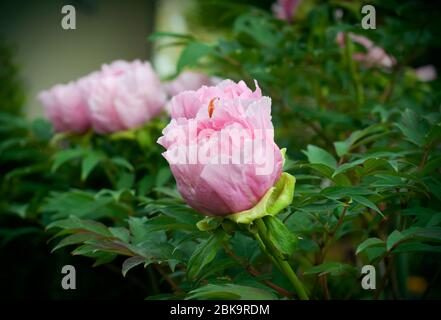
x: 371, y: 242
x: 426, y: 233
x: 66, y: 155
x: 343, y: 147
x: 103, y: 258
x: 85, y: 250
x: 192, y: 53
x: 19, y: 209
x: 414, y: 127
x: 163, y: 175
x: 275, y: 200
x: 367, y: 203
x: 172, y: 193
x: 131, y: 263
x: 74, y: 239
x: 325, y: 170
x: 120, y: 233
x: 333, y: 268
x: 157, y: 250
x: 217, y: 268
x: 122, y: 163
x: 26, y: 171
x: 375, y: 253
x: 7, y: 235
x: 282, y: 239
x: 163, y: 222
x: 116, y: 195
x: 83, y: 204
x: 393, y: 239
x: 42, y: 129
x: 137, y: 229
x: 230, y: 292
x: 318, y: 155
x: 74, y: 223
x: 257, y: 28
x: 369, y: 165
x: 181, y: 213
x: 89, y: 162
x: 416, y: 246
x: 11, y: 143
x: 339, y: 192
x: 434, y: 133
x: 125, y: 180
x: 346, y: 166
x: 204, y: 253
x: 209, y: 223
x: 396, y: 239
x: 432, y: 165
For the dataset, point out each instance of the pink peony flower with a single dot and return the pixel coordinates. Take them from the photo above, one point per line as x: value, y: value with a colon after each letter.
x: 285, y: 9
x: 374, y: 56
x: 66, y: 107
x: 220, y: 147
x: 124, y: 95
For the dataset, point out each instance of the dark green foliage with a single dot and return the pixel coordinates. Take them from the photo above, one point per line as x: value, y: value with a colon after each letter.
x: 11, y: 92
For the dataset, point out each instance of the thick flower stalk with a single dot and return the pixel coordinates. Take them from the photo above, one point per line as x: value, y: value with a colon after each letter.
x: 221, y: 150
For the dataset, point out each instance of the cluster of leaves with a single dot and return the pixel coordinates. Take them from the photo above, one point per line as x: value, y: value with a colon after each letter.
x: 363, y: 144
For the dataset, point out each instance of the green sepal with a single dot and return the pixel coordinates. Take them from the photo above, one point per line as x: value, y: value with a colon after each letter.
x: 275, y: 200
x: 209, y: 223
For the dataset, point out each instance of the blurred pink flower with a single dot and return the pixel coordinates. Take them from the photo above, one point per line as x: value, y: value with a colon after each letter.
x: 426, y: 73
x: 285, y: 9
x: 216, y: 127
x: 124, y: 95
x: 374, y: 56
x: 66, y: 107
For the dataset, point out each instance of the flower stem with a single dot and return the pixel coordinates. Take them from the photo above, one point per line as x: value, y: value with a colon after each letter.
x: 277, y: 260
x: 286, y: 268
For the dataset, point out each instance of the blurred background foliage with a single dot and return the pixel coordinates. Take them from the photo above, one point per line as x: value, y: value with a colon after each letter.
x: 363, y: 142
